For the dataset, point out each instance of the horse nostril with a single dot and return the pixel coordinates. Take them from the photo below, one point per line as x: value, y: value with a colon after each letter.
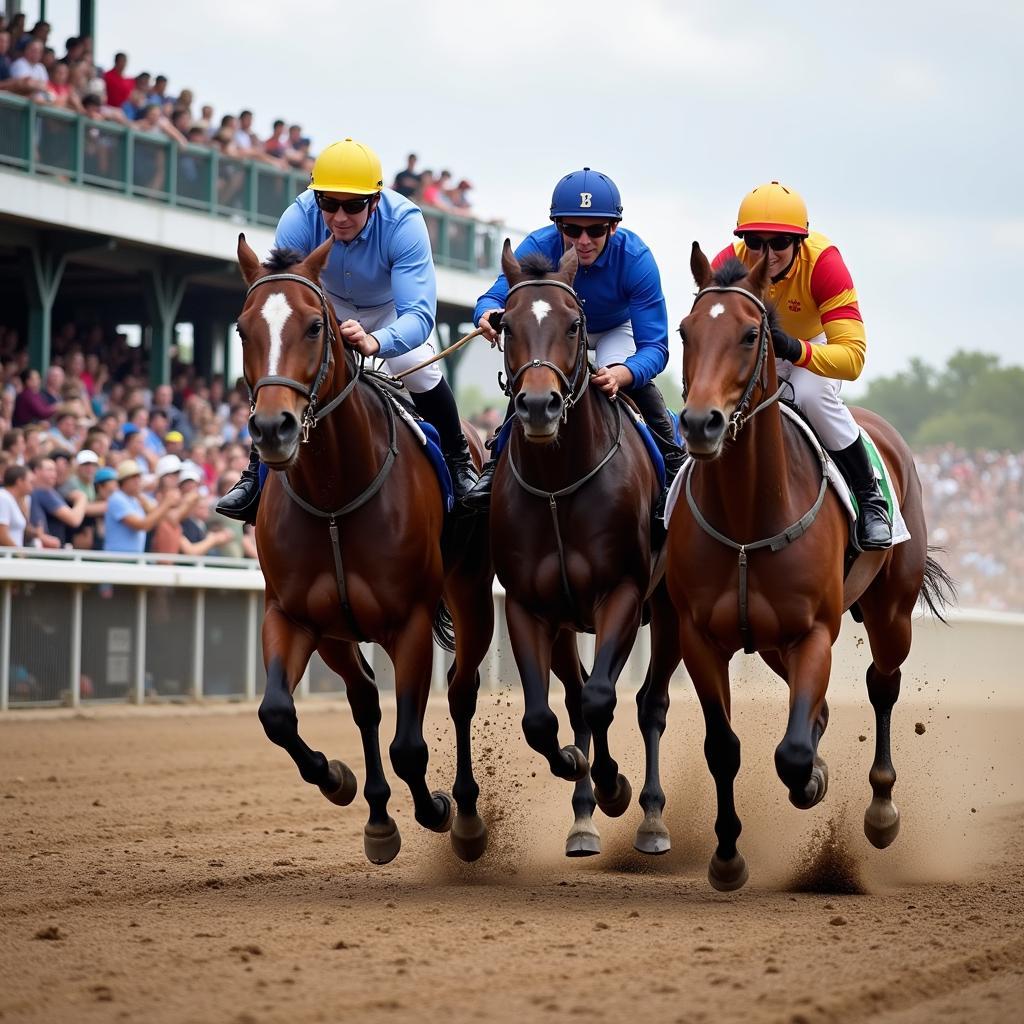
x: 520, y: 404
x: 289, y: 426
x: 716, y: 423
x: 555, y: 404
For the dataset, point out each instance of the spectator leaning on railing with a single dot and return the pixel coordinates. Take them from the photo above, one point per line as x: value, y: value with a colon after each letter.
x: 14, y: 497
x: 50, y: 510
x: 130, y: 515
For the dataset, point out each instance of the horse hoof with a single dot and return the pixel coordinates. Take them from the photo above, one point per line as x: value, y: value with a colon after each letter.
x: 469, y: 837
x: 815, y: 790
x: 381, y: 843
x: 727, y: 875
x: 341, y: 786
x: 448, y: 811
x: 583, y: 839
x: 652, y: 836
x: 578, y: 767
x: 618, y: 803
x: 881, y: 823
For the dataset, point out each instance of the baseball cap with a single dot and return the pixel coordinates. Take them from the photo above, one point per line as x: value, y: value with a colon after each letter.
x: 128, y: 468
x: 174, y: 435
x: 128, y: 429
x: 168, y: 464
x: 190, y: 471
x: 104, y: 474
x: 86, y: 456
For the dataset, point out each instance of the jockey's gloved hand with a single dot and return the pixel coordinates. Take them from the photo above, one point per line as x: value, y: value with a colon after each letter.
x: 785, y: 346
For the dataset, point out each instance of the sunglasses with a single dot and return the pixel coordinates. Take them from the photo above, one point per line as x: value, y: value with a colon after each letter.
x: 591, y: 230
x: 328, y: 205
x: 777, y: 244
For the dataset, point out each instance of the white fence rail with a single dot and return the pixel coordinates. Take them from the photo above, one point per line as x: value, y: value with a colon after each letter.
x: 81, y: 627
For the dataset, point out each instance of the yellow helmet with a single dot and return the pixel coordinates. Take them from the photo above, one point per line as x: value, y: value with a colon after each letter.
x: 347, y: 167
x: 772, y: 207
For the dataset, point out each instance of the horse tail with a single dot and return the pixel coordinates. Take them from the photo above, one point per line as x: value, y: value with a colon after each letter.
x: 444, y: 628
x: 938, y: 591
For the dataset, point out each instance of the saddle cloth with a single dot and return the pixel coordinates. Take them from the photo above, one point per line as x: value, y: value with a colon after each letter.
x: 657, y: 460
x: 900, y: 533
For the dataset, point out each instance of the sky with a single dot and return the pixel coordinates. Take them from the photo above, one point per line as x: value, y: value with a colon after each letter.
x: 898, y: 122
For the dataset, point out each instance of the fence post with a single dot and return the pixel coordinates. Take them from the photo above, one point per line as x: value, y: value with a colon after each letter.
x: 5, y: 649
x: 140, y: 644
x: 198, y: 639
x: 251, y: 629
x: 75, y: 659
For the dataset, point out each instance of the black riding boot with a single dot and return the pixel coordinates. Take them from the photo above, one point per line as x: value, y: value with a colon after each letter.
x: 874, y: 531
x: 243, y: 500
x: 651, y: 403
x: 437, y: 407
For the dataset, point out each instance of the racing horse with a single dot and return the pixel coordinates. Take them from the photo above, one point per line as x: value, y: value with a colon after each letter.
x: 571, y: 523
x: 756, y: 557
x: 350, y: 536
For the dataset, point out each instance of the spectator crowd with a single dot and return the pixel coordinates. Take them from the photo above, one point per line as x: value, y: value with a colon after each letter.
x: 93, y: 458
x: 30, y: 66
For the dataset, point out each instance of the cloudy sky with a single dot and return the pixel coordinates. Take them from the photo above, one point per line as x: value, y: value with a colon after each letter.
x: 898, y: 121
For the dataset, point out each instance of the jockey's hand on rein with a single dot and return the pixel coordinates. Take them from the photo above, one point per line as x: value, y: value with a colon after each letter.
x: 785, y: 346
x: 490, y: 324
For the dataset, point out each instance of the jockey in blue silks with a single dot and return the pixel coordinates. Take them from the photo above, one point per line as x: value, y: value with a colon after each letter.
x: 619, y: 289
x: 380, y: 279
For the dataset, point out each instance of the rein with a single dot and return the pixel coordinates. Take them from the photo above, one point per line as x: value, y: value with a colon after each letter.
x: 572, y: 394
x: 737, y: 421
x: 311, y: 417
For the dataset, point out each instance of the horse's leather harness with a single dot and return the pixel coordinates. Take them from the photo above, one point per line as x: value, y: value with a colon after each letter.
x: 736, y: 422
x: 311, y: 417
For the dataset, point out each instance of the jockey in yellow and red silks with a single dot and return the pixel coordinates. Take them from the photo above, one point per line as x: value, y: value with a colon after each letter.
x: 819, y: 339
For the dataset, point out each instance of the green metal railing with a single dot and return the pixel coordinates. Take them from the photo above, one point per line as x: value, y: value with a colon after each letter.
x: 74, y: 149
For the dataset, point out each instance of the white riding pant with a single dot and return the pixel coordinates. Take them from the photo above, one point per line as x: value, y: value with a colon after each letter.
x: 614, y: 346
x: 818, y: 398
x: 374, y: 317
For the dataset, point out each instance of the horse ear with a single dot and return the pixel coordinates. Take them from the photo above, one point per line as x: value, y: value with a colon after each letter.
x: 509, y: 264
x: 569, y: 264
x: 758, y: 276
x: 248, y: 261
x: 700, y: 267
x: 314, y: 262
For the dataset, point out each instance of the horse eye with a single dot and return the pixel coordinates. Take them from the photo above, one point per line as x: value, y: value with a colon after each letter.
x: 682, y: 335
x: 315, y: 329
x: 750, y: 337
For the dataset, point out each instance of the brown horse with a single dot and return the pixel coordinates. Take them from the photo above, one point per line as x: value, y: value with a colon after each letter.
x: 571, y: 544
x: 350, y: 535
x: 771, y: 576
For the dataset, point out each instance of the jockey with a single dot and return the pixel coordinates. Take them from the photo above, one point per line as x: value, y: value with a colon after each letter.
x: 380, y: 279
x: 619, y: 289
x: 820, y: 339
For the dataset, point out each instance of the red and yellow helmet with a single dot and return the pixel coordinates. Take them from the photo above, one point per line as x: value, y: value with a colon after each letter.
x: 772, y: 207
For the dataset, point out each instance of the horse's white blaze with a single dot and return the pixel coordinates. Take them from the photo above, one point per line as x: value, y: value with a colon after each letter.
x: 717, y: 310
x: 275, y: 311
x: 541, y: 309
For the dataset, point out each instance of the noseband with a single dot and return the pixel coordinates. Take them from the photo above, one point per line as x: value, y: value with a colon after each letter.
x: 740, y: 415
x: 312, y: 415
x: 572, y: 390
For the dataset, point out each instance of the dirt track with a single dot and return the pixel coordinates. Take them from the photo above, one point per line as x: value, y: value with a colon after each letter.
x: 191, y: 876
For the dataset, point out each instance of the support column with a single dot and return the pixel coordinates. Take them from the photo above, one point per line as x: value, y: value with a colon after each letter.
x: 209, y: 335
x: 42, y: 271
x: 164, y: 292
x: 87, y: 19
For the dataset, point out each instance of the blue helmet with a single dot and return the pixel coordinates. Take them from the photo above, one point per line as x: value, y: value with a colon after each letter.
x: 586, y: 193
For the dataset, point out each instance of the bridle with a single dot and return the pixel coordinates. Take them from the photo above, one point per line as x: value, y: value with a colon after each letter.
x: 312, y: 414
x: 736, y: 422
x: 572, y: 390
x: 740, y: 416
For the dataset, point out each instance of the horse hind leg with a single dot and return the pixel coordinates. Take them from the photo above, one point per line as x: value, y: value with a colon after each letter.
x: 381, y: 838
x: 652, y: 714
x: 583, y: 840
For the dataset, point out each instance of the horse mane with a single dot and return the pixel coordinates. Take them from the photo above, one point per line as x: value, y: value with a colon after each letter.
x: 732, y: 272
x: 537, y: 265
x: 282, y: 259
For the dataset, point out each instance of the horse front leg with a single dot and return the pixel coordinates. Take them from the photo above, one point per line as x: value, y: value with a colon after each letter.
x: 617, y: 621
x: 287, y: 648
x: 411, y: 653
x: 532, y: 641
x: 652, y: 715
x: 808, y: 665
x: 583, y: 839
x: 709, y: 670
x: 381, y: 838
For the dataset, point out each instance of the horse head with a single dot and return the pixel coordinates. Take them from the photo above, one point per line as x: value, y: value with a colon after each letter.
x: 288, y: 334
x: 545, y: 341
x: 726, y: 352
